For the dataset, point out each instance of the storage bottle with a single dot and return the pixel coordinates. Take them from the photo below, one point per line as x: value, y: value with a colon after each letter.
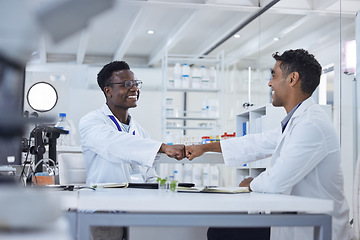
x: 205, y: 81
x: 212, y: 77
x: 64, y: 139
x: 186, y: 76
x: 177, y: 76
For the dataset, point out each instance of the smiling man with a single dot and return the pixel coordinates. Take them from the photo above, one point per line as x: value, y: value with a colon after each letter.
x: 116, y: 148
x: 304, y: 151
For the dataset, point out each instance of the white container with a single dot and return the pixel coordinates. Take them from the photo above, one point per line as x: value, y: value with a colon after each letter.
x: 169, y: 139
x: 197, y: 175
x: 196, y: 78
x: 187, y: 173
x: 212, y: 77
x: 64, y: 139
x: 169, y: 102
x: 213, y: 111
x: 163, y: 170
x: 186, y: 76
x: 170, y: 112
x: 206, y: 174
x: 178, y: 172
x: 205, y: 81
x: 171, y: 83
x: 204, y: 107
x: 177, y: 76
x: 215, y: 176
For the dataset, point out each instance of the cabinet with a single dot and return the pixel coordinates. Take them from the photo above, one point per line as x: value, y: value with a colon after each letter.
x: 192, y: 101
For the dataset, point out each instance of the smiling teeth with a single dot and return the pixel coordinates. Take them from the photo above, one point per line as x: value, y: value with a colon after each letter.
x: 132, y: 96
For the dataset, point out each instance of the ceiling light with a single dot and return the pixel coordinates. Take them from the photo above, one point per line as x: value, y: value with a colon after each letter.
x: 150, y: 32
x: 237, y: 36
x: 276, y: 39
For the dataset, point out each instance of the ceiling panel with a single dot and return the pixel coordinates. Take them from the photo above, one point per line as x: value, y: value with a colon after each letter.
x: 107, y: 31
x: 163, y: 22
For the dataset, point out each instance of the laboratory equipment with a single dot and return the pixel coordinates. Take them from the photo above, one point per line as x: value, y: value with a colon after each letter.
x: 64, y: 139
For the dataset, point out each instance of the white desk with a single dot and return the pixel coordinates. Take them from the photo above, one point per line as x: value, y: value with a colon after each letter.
x: 146, y: 207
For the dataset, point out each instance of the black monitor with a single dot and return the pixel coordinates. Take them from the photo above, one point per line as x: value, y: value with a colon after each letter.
x: 12, y: 81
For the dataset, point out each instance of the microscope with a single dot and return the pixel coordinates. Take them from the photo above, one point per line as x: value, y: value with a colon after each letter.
x: 44, y: 135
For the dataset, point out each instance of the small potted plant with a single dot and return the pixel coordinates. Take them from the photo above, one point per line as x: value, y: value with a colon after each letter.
x: 162, y: 183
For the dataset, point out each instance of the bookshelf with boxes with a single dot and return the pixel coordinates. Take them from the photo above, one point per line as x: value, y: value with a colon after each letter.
x: 192, y: 102
x: 257, y: 120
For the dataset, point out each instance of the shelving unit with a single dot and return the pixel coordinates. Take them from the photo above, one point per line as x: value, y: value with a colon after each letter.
x: 186, y: 119
x: 257, y: 120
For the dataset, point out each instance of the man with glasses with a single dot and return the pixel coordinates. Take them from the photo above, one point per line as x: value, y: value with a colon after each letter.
x: 116, y: 148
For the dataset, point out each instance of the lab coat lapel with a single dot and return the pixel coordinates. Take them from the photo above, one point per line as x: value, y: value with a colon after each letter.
x: 302, y: 108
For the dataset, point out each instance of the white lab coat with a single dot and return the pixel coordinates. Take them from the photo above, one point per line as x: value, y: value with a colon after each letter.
x: 113, y: 156
x: 305, y: 162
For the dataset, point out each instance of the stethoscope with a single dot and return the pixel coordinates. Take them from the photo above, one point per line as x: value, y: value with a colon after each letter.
x: 119, y: 127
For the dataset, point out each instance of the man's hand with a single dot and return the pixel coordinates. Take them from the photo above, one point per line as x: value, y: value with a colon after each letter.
x: 246, y: 182
x: 193, y: 151
x: 176, y: 151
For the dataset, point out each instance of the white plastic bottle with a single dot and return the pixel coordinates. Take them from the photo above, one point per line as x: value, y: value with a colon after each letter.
x: 169, y: 139
x: 178, y: 172
x: 196, y: 78
x: 177, y: 76
x: 215, y: 176
x: 186, y: 76
x: 206, y: 175
x: 205, y: 81
x: 212, y: 77
x: 197, y: 175
x: 187, y: 176
x: 205, y: 107
x: 64, y: 139
x: 213, y: 111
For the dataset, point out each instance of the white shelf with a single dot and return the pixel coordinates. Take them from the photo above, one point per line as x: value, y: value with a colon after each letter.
x: 208, y: 157
x: 193, y: 90
x: 190, y: 98
x: 257, y: 120
x: 199, y: 59
x: 192, y: 118
x: 190, y: 128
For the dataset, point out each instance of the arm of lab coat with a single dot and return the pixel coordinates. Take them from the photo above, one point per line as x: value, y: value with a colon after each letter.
x: 116, y: 146
x: 303, y: 151
x: 240, y: 150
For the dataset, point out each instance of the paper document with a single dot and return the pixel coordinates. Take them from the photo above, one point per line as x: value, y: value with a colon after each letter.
x: 114, y: 185
x: 214, y: 189
x: 139, y: 185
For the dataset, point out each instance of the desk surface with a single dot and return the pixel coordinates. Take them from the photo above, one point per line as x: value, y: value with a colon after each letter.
x: 153, y: 200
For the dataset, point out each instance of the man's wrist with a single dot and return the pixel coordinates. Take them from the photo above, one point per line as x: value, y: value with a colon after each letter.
x: 210, y: 147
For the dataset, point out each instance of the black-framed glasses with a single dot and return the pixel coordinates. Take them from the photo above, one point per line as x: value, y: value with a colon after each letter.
x: 129, y: 84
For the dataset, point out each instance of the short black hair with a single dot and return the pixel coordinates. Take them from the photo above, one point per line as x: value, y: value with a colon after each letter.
x: 105, y: 74
x: 305, y: 64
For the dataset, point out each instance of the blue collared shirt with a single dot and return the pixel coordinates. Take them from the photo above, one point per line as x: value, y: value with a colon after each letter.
x: 285, y: 121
